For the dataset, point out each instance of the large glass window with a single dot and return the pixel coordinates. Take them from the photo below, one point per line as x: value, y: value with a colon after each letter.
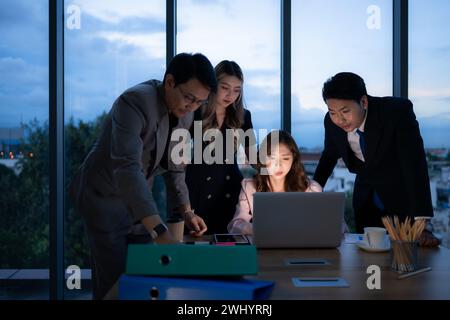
x: 247, y: 32
x: 24, y: 166
x: 429, y: 90
x: 329, y: 37
x: 109, y: 47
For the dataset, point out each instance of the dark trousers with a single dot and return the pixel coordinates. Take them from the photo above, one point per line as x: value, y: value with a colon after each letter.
x: 108, y: 229
x: 368, y: 216
x: 108, y: 256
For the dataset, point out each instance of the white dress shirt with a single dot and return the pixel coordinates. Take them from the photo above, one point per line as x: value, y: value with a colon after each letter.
x: 353, y: 139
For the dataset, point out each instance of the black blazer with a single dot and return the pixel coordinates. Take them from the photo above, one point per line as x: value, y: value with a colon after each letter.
x: 395, y: 166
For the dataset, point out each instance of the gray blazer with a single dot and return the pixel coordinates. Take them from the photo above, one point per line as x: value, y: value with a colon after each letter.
x: 114, y: 183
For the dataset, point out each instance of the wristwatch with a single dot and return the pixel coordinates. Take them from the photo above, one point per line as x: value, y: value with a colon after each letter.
x: 158, y: 230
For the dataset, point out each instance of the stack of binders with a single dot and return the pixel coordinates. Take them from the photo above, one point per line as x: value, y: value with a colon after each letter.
x: 192, y: 272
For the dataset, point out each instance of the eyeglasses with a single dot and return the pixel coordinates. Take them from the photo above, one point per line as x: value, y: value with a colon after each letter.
x: 188, y: 97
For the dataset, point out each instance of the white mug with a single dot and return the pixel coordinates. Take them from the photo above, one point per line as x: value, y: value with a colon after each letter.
x: 375, y: 237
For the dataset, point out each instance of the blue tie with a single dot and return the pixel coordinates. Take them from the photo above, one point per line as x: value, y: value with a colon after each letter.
x: 362, y: 144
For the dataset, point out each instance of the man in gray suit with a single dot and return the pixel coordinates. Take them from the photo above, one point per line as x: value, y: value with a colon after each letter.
x: 112, y: 189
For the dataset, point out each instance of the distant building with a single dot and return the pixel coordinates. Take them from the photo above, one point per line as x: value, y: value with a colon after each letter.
x: 438, y: 152
x: 433, y: 189
x: 445, y: 174
x: 10, y: 141
x: 341, y: 180
x: 11, y: 164
x: 310, y: 161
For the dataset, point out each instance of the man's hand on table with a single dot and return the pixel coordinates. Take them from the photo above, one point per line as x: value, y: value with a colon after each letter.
x: 428, y: 239
x: 195, y: 224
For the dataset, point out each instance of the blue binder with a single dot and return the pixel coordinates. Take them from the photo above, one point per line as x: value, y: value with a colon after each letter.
x: 163, y: 288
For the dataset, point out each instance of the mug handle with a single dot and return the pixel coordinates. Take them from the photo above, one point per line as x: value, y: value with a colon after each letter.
x: 367, y: 238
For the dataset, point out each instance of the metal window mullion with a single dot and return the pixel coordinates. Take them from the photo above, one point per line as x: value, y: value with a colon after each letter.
x: 171, y: 29
x: 286, y: 65
x: 400, y: 48
x: 56, y: 147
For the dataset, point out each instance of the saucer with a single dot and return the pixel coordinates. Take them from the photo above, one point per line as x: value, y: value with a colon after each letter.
x: 365, y: 246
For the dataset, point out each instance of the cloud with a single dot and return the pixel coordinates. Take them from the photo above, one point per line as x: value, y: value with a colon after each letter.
x: 258, y: 106
x: 114, y: 11
x: 24, y: 30
x: 18, y: 74
x: 23, y: 92
x: 120, y: 44
x: 443, y: 50
x: 431, y: 103
x: 91, y: 88
x: 435, y: 130
x: 435, y: 93
x: 438, y: 119
x: 270, y: 85
x: 305, y: 116
x: 24, y: 105
x: 11, y: 12
x: 308, y: 136
x: 23, y: 62
x: 153, y: 45
x: 244, y: 31
x: 17, y: 13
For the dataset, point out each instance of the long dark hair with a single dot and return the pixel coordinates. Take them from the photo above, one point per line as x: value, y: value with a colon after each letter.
x: 234, y: 116
x: 296, y: 179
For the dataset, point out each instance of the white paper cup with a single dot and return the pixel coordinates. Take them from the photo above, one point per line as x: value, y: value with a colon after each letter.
x: 176, y: 229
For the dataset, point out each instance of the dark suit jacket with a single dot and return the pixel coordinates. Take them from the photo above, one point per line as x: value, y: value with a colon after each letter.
x: 118, y: 172
x: 395, y: 166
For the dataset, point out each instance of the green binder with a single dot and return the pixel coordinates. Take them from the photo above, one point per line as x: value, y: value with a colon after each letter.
x: 191, y: 260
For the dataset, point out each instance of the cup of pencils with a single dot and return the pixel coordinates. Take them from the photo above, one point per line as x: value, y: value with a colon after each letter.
x: 404, y: 242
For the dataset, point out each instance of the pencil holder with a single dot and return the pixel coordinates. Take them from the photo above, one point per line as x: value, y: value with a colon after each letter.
x: 404, y: 255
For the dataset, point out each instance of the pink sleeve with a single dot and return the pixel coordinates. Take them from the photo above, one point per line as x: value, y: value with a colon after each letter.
x: 241, y: 220
x: 314, y: 187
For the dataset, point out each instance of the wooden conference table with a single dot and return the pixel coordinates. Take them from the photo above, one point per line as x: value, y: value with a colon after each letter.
x: 350, y: 263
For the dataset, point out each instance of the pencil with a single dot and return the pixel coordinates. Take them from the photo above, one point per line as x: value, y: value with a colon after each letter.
x: 407, y: 275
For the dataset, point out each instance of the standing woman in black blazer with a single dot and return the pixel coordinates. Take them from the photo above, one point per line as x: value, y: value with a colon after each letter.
x: 379, y: 140
x: 214, y: 187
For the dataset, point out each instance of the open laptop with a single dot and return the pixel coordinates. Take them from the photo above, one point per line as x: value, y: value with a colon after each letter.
x: 297, y: 219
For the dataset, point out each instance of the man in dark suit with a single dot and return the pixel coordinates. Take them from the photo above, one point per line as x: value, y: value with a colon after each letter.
x: 379, y: 140
x: 112, y: 189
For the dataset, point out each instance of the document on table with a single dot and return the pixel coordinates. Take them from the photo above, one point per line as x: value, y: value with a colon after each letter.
x: 319, y: 282
x: 353, y: 237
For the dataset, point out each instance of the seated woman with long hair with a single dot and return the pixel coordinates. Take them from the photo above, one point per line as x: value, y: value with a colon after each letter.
x: 280, y: 171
